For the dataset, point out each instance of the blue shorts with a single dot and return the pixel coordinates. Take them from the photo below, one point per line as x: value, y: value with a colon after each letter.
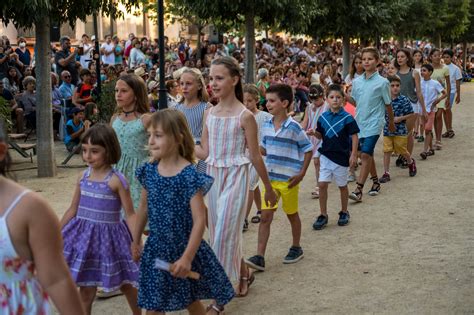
x: 451, y: 99
x: 367, y: 144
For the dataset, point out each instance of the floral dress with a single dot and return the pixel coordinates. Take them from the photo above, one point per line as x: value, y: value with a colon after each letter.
x: 20, y: 291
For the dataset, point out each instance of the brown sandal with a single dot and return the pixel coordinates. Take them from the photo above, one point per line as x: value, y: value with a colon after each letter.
x: 216, y: 308
x: 249, y: 281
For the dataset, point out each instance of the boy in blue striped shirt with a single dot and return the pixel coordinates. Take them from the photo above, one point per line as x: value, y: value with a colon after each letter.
x: 288, y: 153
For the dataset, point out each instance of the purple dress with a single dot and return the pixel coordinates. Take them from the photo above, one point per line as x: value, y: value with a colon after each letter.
x: 97, y: 241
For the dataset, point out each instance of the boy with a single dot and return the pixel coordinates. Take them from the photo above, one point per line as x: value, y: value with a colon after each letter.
x: 74, y: 130
x: 288, y: 153
x: 336, y: 128
x: 397, y: 141
x: 430, y: 89
x: 82, y: 93
x: 371, y: 96
x: 455, y: 75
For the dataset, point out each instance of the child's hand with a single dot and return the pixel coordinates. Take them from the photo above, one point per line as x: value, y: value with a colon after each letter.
x: 391, y: 127
x: 397, y: 120
x: 270, y: 197
x: 353, y: 160
x: 295, y: 180
x: 310, y: 132
x: 181, y: 268
x: 136, y: 251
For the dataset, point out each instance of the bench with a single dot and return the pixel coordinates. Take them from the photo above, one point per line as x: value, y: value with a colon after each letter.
x: 21, y: 148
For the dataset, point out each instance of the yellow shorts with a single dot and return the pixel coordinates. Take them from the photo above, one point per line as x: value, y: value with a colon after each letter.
x: 289, y: 197
x: 397, y: 144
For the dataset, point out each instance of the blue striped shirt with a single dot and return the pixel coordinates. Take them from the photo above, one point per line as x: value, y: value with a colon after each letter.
x: 285, y: 149
x: 195, y: 117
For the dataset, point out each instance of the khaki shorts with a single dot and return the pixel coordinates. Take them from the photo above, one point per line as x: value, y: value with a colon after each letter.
x: 397, y: 144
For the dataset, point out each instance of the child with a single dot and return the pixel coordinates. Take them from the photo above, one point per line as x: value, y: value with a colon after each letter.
x: 173, y: 203
x: 91, y: 114
x: 194, y: 105
x: 313, y: 111
x: 228, y: 131
x: 96, y: 239
x: 82, y: 94
x: 397, y: 141
x: 251, y: 101
x: 75, y: 128
x: 431, y: 90
x: 32, y: 266
x: 371, y: 96
x: 288, y: 154
x: 455, y: 75
x: 336, y: 128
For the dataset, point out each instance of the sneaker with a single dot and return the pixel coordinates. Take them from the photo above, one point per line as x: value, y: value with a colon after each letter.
x: 256, y: 262
x: 320, y: 222
x: 421, y: 139
x: 343, y: 218
x: 294, y: 255
x: 101, y: 294
x: 351, y: 178
x: 385, y: 178
x: 412, y: 168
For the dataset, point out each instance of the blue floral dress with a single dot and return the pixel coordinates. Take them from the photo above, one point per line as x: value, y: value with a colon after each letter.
x: 170, y: 220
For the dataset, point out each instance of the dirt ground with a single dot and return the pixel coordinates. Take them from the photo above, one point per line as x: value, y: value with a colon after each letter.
x: 409, y: 250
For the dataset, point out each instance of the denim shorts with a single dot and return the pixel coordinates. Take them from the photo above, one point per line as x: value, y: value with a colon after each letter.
x: 367, y: 144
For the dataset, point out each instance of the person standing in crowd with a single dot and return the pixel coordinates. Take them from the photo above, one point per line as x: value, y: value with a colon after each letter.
x: 107, y: 51
x: 455, y: 75
x: 24, y: 55
x: 66, y: 60
x: 87, y: 48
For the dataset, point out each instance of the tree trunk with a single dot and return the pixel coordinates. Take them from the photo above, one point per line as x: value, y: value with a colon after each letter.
x: 198, y: 44
x: 346, y: 55
x: 401, y: 40
x: 44, y: 115
x: 249, y: 47
x: 438, y: 40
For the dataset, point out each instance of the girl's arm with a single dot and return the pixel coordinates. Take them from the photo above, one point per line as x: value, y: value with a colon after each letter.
x: 182, y: 267
x: 72, y: 211
x: 125, y: 199
x: 141, y: 219
x: 304, y: 123
x: 419, y: 95
x: 250, y: 128
x: 202, y: 150
x: 44, y: 238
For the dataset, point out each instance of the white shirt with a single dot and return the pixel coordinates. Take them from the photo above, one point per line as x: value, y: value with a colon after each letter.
x: 430, y: 90
x: 87, y: 57
x: 110, y: 59
x: 454, y: 75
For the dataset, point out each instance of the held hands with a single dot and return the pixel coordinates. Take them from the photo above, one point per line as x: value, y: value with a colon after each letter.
x: 136, y: 251
x: 295, y: 180
x: 397, y: 120
x: 310, y: 132
x: 181, y: 268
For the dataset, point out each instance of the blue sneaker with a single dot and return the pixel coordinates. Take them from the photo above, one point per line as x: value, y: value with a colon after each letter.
x: 343, y: 218
x: 320, y: 222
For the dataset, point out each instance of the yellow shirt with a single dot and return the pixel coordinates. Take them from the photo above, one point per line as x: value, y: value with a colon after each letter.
x: 440, y: 75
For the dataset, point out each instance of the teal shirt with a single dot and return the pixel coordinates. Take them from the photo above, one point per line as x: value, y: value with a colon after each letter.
x: 371, y: 95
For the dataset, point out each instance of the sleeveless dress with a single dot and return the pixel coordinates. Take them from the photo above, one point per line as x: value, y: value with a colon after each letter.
x: 170, y: 220
x: 20, y: 291
x: 195, y: 117
x: 97, y: 241
x: 228, y: 164
x: 313, y: 117
x: 133, y: 138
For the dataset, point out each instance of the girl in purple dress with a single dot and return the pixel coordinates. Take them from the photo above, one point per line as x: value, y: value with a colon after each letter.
x: 96, y: 240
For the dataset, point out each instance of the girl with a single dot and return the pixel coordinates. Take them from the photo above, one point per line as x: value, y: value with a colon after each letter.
x: 31, y: 262
x: 129, y: 124
x: 172, y: 201
x: 172, y: 89
x: 194, y: 105
x: 96, y: 239
x: 417, y: 63
x: 411, y: 88
x: 12, y: 81
x: 229, y: 128
x: 313, y: 111
x: 356, y: 69
x: 441, y: 74
x: 251, y: 100
x: 91, y: 113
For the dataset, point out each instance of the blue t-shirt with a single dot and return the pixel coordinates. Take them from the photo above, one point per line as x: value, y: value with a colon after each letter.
x: 401, y: 106
x: 70, y: 129
x: 337, y: 129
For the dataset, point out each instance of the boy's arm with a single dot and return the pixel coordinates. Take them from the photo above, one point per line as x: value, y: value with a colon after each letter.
x: 295, y: 180
x: 391, y: 122
x: 443, y: 95
x: 458, y: 92
x: 355, y: 145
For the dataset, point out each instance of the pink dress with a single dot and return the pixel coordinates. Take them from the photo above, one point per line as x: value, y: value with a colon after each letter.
x: 20, y: 291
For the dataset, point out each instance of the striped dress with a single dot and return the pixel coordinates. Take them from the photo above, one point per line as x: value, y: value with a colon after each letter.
x: 227, y: 199
x: 313, y: 116
x: 195, y: 117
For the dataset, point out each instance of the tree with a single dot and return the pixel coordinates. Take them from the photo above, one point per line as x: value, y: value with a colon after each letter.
x: 468, y: 35
x: 449, y: 19
x: 39, y: 13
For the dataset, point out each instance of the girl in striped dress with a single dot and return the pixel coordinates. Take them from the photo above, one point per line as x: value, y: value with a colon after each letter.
x: 228, y: 129
x: 194, y: 105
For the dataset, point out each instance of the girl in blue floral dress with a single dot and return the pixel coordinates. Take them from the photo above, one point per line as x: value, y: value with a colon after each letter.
x: 172, y: 201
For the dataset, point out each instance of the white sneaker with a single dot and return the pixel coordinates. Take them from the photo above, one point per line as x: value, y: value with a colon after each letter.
x: 101, y: 294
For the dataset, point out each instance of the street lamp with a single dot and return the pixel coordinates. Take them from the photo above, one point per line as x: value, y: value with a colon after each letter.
x: 163, y: 99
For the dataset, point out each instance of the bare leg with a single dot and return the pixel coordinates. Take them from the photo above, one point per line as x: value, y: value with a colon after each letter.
x: 386, y: 161
x: 439, y: 124
x: 154, y: 313
x: 264, y: 231
x: 323, y: 197
x: 366, y: 166
x: 87, y: 296
x: 316, y: 168
x: 196, y: 308
x: 258, y: 198
x: 428, y: 141
x: 19, y: 120
x: 249, y: 203
x: 344, y: 198
x: 131, y: 294
x: 448, y: 118
x: 295, y: 223
x: 410, y: 127
x: 373, y: 168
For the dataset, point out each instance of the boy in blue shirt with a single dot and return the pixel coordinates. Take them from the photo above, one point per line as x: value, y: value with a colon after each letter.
x: 288, y: 153
x: 338, y: 130
x: 75, y: 127
x: 397, y: 141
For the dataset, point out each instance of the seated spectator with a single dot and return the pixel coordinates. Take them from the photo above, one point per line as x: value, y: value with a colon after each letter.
x: 82, y: 94
x: 91, y: 114
x: 75, y: 127
x: 27, y: 101
x: 172, y: 88
x: 12, y: 81
x: 153, y: 96
x: 56, y: 99
x: 17, y: 112
x: 67, y: 88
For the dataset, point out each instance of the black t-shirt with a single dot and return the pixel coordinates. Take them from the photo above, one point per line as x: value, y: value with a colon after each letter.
x: 71, y: 66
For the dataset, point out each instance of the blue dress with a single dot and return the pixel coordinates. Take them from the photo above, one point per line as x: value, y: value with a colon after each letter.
x: 170, y: 220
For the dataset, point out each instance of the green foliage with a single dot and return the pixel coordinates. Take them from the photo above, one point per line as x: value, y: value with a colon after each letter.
x: 5, y: 113
x: 106, y: 104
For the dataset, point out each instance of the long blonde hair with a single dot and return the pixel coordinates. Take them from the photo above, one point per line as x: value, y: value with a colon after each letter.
x: 174, y: 124
x: 196, y: 73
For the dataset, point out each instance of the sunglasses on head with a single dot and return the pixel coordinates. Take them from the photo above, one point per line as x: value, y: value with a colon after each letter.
x: 314, y: 95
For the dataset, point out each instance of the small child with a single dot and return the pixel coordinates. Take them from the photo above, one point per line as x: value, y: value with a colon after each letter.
x: 338, y: 151
x: 75, y: 127
x: 317, y: 106
x: 172, y: 201
x: 251, y: 100
x: 96, y: 240
x: 91, y: 114
x: 433, y: 93
x: 397, y: 141
x: 288, y: 154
